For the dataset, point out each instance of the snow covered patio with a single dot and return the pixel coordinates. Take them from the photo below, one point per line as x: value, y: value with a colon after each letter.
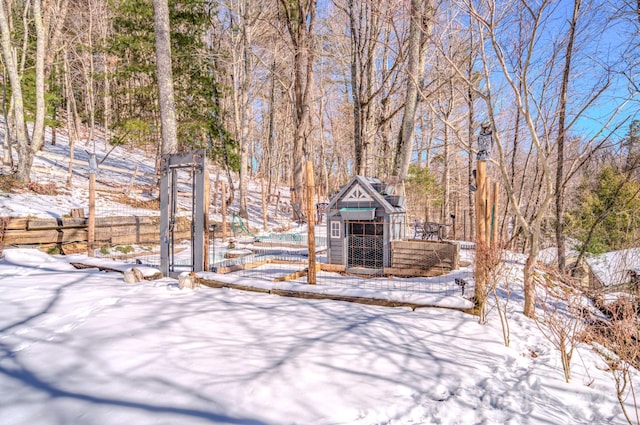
x: 439, y: 291
x: 286, y: 276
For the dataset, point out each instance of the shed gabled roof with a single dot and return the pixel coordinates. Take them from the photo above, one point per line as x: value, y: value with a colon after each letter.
x: 361, y: 189
x: 611, y: 268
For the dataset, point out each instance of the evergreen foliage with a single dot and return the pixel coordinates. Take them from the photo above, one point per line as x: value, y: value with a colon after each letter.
x: 52, y: 97
x: 422, y: 186
x: 422, y: 180
x: 631, y: 144
x: 194, y: 86
x: 608, y: 215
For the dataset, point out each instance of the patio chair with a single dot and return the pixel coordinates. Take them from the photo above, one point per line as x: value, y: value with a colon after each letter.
x: 432, y: 231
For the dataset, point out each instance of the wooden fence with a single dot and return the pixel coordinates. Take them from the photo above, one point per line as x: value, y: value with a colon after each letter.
x: 423, y: 257
x: 66, y: 231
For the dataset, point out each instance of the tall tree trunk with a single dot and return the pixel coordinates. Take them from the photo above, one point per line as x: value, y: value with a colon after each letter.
x: 72, y: 127
x: 106, y: 101
x: 165, y: 77
x: 562, y: 113
x: 529, y: 276
x: 470, y: 140
x: 54, y: 21
x: 27, y: 146
x: 421, y: 17
x: 446, y: 176
x: 384, y: 151
x: 300, y: 22
x: 270, y: 151
x: 245, y: 105
x: 105, y: 30
x: 11, y: 63
x: 355, y: 91
x: 7, y: 155
x: 369, y: 115
x: 37, y: 137
x: 91, y: 103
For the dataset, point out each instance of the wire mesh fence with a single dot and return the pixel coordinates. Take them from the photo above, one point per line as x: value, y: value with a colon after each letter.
x: 293, y: 272
x: 264, y: 260
x: 268, y: 246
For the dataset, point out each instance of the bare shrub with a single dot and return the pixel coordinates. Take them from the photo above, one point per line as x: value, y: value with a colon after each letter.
x: 8, y: 182
x: 497, y: 286
x: 618, y: 343
x: 562, y: 321
x: 43, y: 188
x: 491, y: 266
x: 151, y: 204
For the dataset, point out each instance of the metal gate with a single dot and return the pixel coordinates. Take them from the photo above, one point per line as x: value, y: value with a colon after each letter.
x: 193, y: 163
x: 365, y: 244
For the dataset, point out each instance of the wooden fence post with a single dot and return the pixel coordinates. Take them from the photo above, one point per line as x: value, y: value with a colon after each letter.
x: 481, y: 201
x: 206, y: 201
x: 91, y: 224
x: 494, y: 215
x: 455, y: 219
x: 487, y: 211
x: 481, y: 233
x: 132, y: 180
x: 311, y: 236
x: 264, y: 206
x: 214, y: 200
x: 224, y: 209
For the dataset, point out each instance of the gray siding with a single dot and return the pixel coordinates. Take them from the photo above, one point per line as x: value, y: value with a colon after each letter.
x: 393, y: 219
x: 335, y: 246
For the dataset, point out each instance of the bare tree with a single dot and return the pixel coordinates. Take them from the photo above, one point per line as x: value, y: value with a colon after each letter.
x: 529, y: 69
x: 369, y: 24
x: 28, y: 145
x: 422, y: 14
x: 165, y: 77
x: 562, y: 131
x: 524, y: 104
x: 364, y: 36
x: 244, y: 18
x: 299, y: 18
x: 37, y: 137
x: 55, y: 15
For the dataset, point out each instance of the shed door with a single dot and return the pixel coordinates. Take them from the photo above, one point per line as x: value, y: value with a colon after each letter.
x: 365, y: 244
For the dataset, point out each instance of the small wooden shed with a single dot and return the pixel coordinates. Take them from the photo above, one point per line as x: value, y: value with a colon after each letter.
x: 615, y: 271
x: 362, y: 220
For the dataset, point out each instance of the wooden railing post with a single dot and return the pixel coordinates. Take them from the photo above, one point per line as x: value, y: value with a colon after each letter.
x: 91, y: 225
x: 224, y: 210
x: 265, y: 223
x: 311, y: 235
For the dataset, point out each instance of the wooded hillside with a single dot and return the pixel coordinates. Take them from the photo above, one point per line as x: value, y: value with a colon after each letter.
x: 393, y: 88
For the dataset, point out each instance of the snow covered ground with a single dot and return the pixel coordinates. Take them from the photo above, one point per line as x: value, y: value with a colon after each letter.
x: 50, y: 166
x: 116, y: 167
x: 82, y: 347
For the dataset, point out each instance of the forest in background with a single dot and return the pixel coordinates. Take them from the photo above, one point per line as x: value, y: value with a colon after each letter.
x: 385, y: 89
